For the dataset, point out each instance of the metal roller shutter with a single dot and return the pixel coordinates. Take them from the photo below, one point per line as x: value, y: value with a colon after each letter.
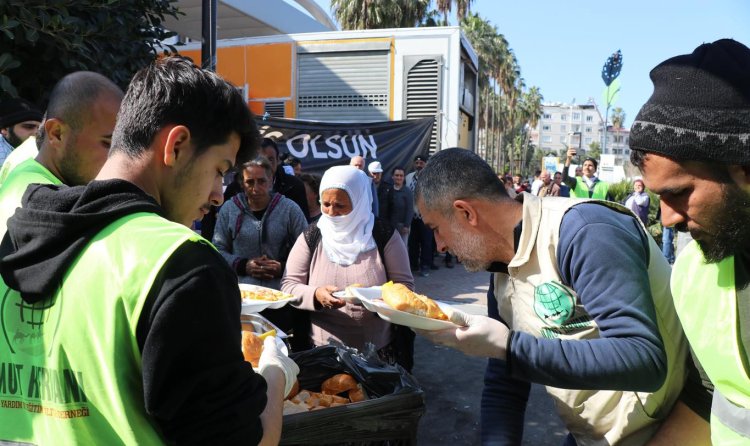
x: 423, y: 94
x: 344, y: 86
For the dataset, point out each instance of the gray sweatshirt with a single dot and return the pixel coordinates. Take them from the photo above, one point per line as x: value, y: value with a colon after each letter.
x: 240, y: 236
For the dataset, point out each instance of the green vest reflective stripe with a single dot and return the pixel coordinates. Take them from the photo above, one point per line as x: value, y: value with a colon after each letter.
x: 582, y: 190
x: 706, y: 301
x: 730, y: 415
x: 70, y: 366
x: 15, y: 185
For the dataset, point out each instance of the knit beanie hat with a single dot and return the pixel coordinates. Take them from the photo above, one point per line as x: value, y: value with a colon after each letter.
x: 700, y: 108
x: 15, y: 110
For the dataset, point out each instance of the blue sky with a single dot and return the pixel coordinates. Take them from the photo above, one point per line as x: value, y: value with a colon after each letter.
x: 561, y: 46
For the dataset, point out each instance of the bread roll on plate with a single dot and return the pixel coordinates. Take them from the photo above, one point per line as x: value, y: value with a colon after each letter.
x: 397, y: 296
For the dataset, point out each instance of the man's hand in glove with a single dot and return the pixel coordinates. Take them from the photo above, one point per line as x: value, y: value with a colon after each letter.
x: 273, y: 357
x: 477, y: 335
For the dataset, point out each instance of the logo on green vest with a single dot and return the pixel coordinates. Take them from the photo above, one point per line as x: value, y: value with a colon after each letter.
x: 553, y: 303
x: 24, y: 324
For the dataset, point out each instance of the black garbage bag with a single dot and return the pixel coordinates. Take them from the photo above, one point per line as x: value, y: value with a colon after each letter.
x: 389, y: 417
x: 377, y: 377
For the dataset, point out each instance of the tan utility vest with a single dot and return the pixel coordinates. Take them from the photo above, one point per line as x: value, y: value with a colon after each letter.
x: 533, y: 299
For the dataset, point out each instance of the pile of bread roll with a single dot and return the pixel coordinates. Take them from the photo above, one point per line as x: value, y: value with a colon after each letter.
x: 335, y: 391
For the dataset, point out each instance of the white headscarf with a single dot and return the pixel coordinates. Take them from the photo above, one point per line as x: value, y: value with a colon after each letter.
x: 344, y: 237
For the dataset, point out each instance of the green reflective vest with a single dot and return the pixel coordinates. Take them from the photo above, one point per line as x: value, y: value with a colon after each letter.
x: 13, y: 188
x: 70, y: 366
x: 706, y: 302
x: 26, y: 150
x: 582, y: 190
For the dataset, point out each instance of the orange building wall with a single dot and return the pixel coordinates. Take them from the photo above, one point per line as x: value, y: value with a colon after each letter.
x: 266, y: 69
x: 194, y: 55
x: 269, y: 70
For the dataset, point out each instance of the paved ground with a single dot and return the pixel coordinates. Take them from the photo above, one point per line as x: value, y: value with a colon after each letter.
x: 453, y: 381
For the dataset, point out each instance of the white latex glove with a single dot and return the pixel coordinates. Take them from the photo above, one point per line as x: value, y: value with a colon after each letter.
x: 477, y: 335
x: 273, y: 357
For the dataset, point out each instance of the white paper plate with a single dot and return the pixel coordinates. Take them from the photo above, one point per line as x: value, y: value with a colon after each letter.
x: 341, y: 294
x: 371, y: 299
x: 250, y: 306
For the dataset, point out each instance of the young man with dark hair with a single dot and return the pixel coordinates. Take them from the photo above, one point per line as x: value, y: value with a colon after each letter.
x: 136, y: 319
x: 691, y: 141
x: 586, y: 185
x: 283, y: 183
x: 597, y: 330
x: 73, y: 140
x: 421, y: 243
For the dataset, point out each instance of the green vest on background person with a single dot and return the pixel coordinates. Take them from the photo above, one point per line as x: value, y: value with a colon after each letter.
x: 14, y: 186
x: 71, y: 365
x: 26, y: 150
x: 705, y: 298
x: 582, y: 190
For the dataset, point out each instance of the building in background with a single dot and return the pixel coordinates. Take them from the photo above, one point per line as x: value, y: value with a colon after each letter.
x: 359, y: 76
x: 578, y: 125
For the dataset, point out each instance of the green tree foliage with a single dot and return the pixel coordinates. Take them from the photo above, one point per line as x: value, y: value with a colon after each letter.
x: 378, y: 14
x: 506, y: 110
x: 595, y: 150
x: 618, y: 118
x: 462, y: 8
x: 43, y: 40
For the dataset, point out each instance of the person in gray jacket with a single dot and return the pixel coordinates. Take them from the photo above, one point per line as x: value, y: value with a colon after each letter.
x: 256, y: 228
x: 255, y: 231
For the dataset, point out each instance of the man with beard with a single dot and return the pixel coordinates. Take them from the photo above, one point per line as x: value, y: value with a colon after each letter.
x: 73, y: 140
x: 19, y: 119
x: 691, y: 140
x: 598, y: 330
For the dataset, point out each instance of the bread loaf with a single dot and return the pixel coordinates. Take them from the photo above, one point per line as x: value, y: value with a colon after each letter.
x: 343, y: 382
x: 252, y: 347
x: 397, y: 296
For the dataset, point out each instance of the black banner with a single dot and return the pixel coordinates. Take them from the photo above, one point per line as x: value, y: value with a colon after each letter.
x: 320, y: 145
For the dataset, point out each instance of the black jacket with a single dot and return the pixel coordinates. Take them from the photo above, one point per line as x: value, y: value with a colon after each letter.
x: 293, y: 188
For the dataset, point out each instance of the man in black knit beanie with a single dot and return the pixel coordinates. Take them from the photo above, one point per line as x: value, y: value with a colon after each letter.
x: 691, y: 140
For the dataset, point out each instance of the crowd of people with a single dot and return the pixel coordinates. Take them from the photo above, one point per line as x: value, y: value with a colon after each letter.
x: 108, y: 288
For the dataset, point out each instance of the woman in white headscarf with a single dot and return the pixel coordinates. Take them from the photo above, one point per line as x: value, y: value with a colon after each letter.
x: 340, y: 251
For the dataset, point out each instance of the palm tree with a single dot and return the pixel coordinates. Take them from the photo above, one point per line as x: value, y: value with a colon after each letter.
x: 618, y: 118
x: 374, y: 14
x: 462, y: 8
x: 482, y: 36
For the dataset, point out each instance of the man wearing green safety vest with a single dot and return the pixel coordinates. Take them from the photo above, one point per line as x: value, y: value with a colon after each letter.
x: 588, y: 185
x: 74, y: 138
x: 120, y: 325
x: 691, y: 140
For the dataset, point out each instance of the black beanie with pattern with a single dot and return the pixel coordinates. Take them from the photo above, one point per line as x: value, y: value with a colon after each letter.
x: 700, y: 107
x: 16, y: 110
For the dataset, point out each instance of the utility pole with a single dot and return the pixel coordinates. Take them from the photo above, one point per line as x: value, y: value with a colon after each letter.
x: 208, y: 35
